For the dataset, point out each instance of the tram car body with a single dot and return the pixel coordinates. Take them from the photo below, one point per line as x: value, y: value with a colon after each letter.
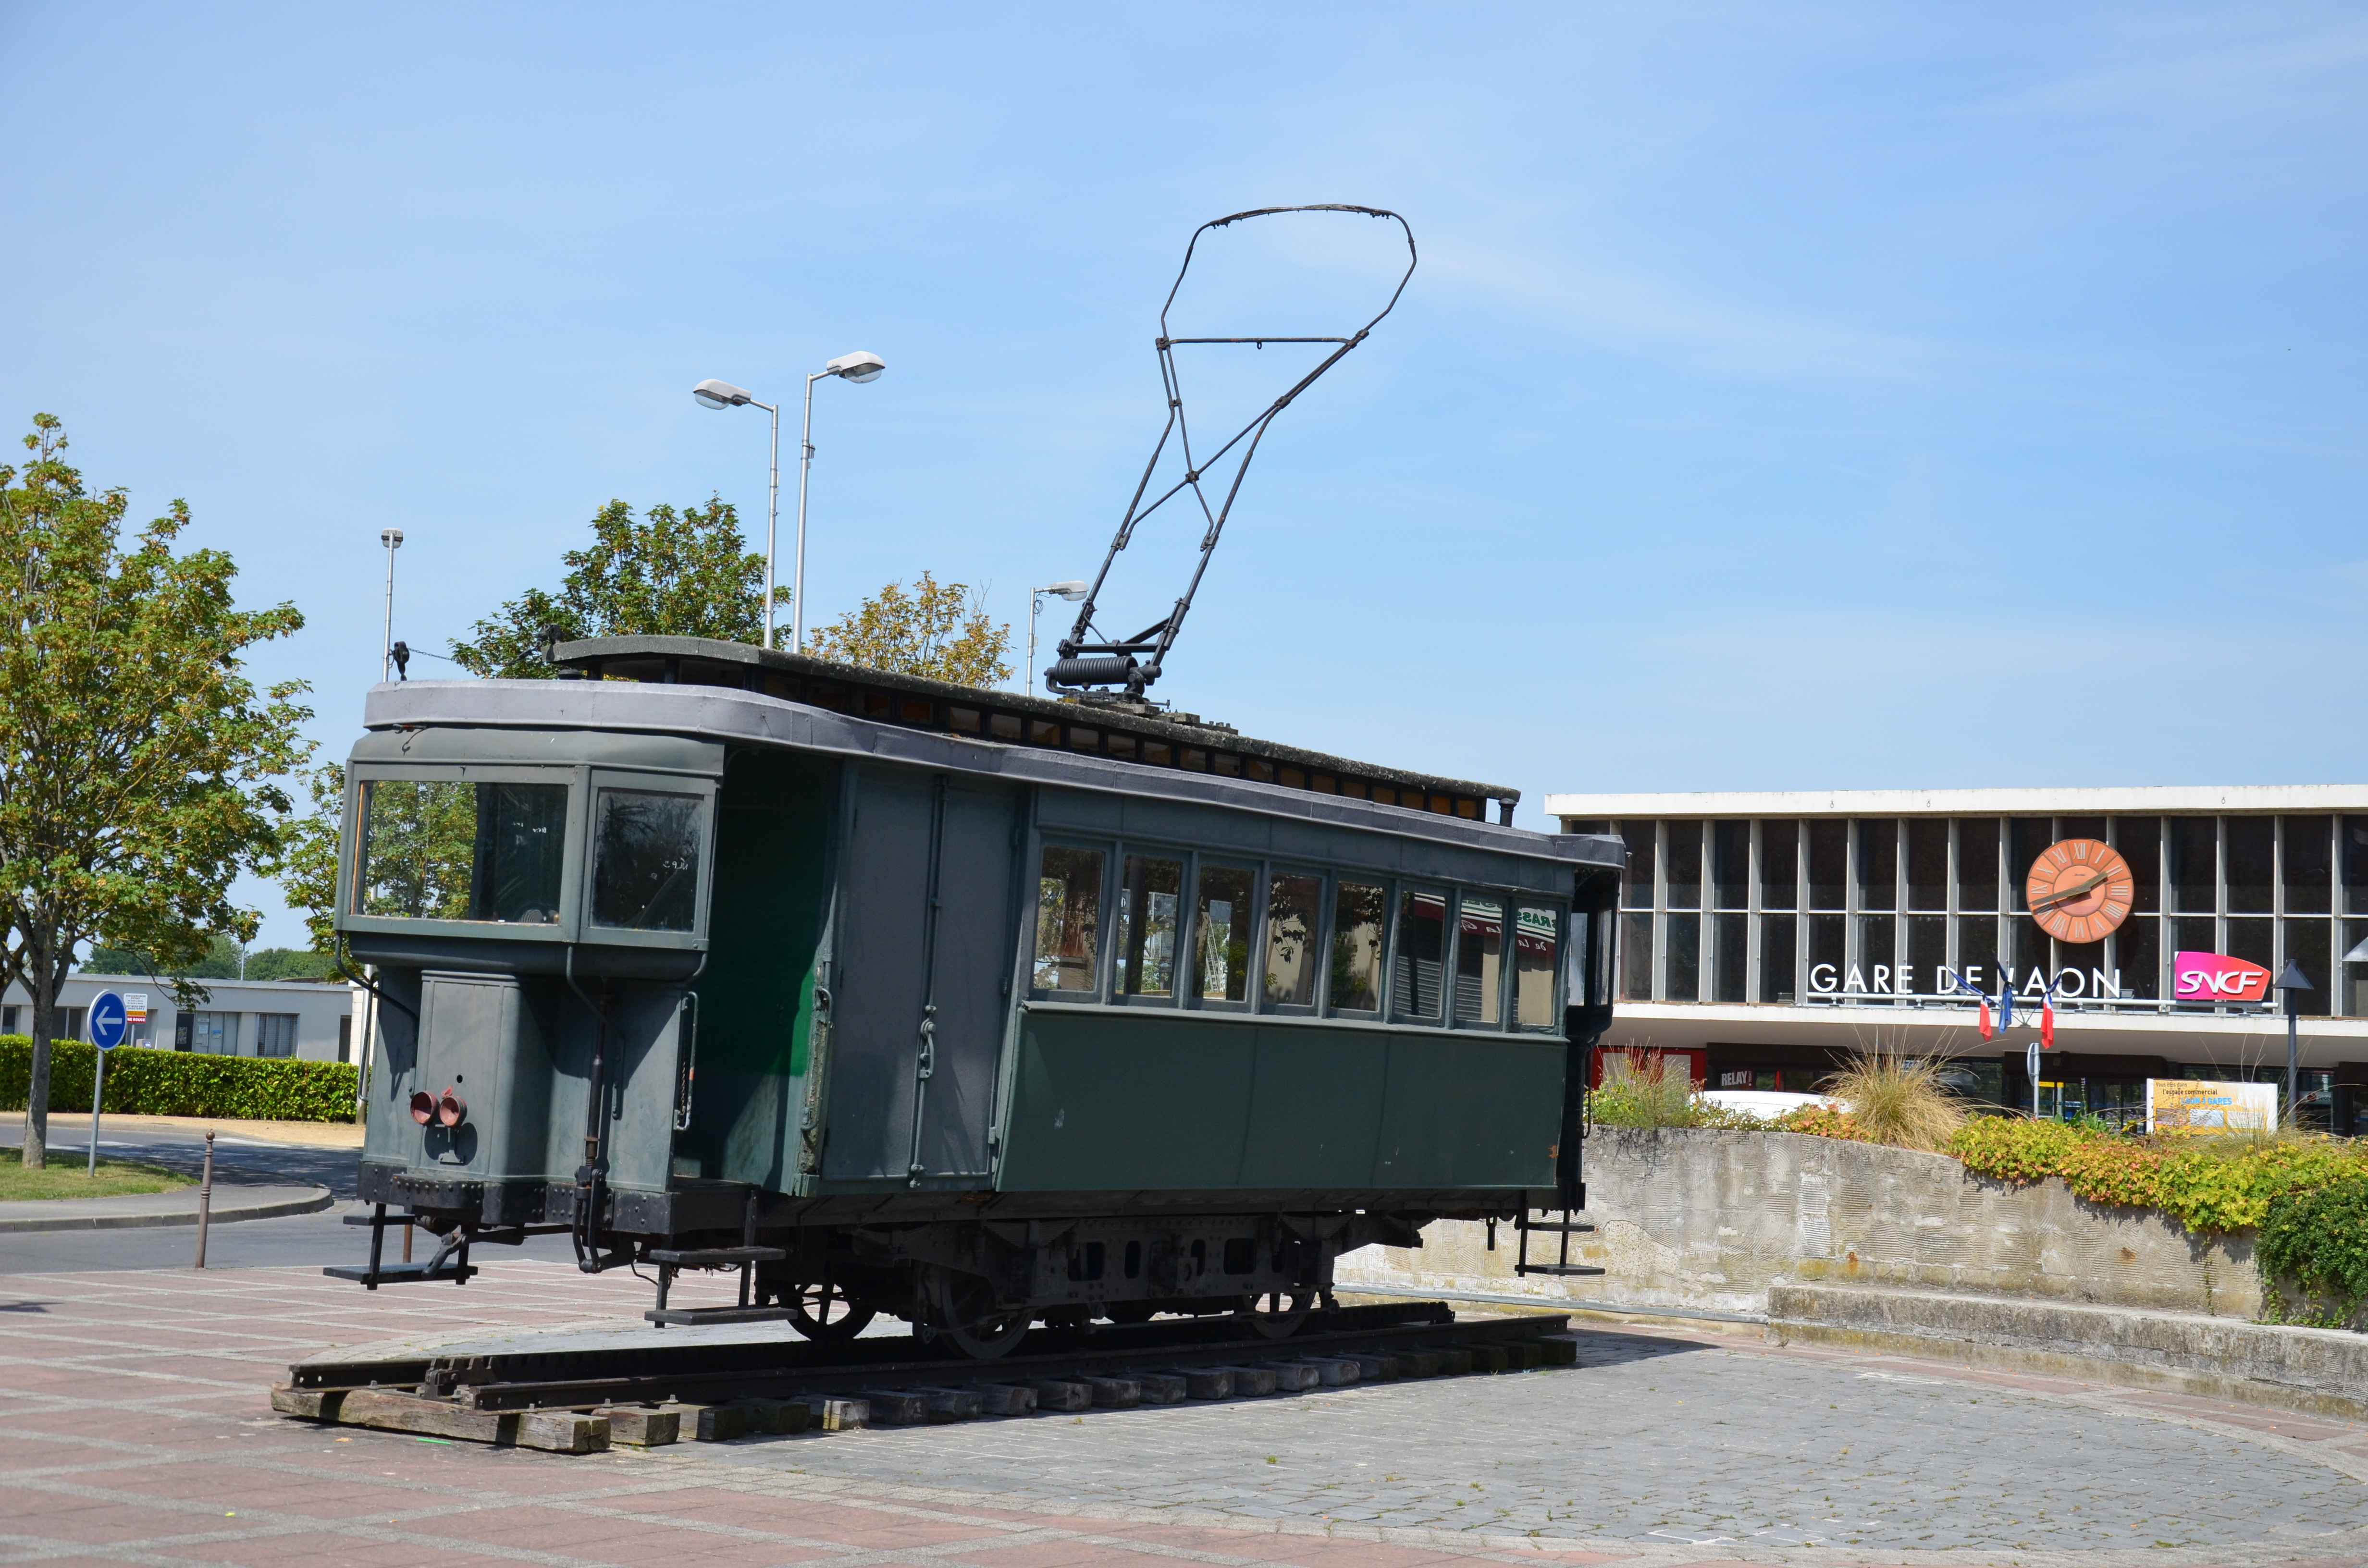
x: 923, y: 1008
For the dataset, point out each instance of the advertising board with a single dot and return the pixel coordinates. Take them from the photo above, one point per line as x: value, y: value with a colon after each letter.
x: 2186, y: 1105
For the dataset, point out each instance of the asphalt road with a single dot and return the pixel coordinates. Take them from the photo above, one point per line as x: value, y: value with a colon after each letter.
x: 293, y: 1242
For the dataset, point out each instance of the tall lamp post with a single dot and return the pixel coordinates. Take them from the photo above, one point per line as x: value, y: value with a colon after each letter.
x: 2294, y: 983
x: 1072, y: 591
x: 392, y: 540
x: 857, y: 367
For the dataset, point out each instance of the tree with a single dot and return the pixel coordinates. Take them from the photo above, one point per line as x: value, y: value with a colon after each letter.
x: 685, y: 573
x: 136, y: 760
x: 937, y: 631
x: 288, y: 963
x: 308, y: 859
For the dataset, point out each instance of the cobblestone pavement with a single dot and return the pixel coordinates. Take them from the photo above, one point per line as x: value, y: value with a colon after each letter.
x: 134, y: 1429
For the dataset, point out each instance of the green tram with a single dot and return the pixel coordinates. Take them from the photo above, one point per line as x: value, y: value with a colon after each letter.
x: 968, y: 1007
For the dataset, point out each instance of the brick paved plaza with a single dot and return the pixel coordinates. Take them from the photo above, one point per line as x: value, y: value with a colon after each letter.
x: 137, y: 1430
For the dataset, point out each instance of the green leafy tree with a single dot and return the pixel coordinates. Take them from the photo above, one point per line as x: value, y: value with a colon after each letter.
x: 308, y: 859
x: 136, y: 760
x: 288, y: 963
x: 685, y: 573
x: 219, y: 961
x: 936, y: 630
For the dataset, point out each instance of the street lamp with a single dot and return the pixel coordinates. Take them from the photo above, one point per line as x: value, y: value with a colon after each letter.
x: 857, y: 367
x: 392, y: 540
x: 724, y: 394
x: 2294, y: 983
x: 1072, y: 591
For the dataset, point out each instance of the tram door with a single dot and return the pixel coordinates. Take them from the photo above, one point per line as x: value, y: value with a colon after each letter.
x: 923, y: 953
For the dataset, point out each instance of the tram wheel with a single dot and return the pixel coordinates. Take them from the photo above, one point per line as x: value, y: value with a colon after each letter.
x: 810, y: 1307
x: 1277, y: 1314
x: 991, y: 1338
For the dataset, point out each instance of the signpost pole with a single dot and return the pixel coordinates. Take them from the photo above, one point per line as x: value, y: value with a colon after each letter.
x: 98, y: 1094
x: 2294, y: 983
x: 108, y: 1019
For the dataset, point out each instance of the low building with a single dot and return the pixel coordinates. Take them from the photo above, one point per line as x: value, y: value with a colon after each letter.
x: 292, y: 1018
x: 1767, y: 935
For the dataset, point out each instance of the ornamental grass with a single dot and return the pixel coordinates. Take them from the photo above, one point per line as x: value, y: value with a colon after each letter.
x: 1897, y: 1100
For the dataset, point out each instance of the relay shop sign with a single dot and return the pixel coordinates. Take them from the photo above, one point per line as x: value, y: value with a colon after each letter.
x: 2216, y: 977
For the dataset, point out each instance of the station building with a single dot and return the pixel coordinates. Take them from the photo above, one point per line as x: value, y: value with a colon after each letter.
x: 301, y: 1019
x: 1765, y: 936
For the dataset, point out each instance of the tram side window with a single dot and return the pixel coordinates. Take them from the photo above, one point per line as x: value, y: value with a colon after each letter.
x: 645, y: 861
x: 1359, y: 920
x: 1146, y: 925
x: 1479, y: 960
x: 1422, y: 951
x: 1068, y: 918
x: 456, y: 850
x: 1294, y: 906
x: 1533, y: 967
x: 1222, y: 933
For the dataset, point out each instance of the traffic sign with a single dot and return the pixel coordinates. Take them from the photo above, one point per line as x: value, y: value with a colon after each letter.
x: 109, y: 1021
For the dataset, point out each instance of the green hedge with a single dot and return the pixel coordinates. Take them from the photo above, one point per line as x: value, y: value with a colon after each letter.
x: 144, y: 1082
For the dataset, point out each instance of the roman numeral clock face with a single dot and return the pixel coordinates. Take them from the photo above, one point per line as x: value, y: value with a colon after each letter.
x: 2080, y: 890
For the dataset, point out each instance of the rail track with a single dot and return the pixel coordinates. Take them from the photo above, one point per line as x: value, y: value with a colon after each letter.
x: 581, y: 1400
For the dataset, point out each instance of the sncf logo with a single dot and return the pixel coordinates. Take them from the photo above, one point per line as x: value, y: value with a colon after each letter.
x: 2216, y: 977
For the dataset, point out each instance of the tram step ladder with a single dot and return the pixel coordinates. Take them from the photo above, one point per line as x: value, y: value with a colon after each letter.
x: 744, y: 1257
x: 1564, y: 1228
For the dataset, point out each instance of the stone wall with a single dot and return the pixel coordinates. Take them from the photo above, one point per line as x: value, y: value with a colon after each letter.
x: 1703, y: 1219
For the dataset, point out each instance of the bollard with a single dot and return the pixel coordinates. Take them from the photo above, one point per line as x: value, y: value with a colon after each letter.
x: 205, y: 1198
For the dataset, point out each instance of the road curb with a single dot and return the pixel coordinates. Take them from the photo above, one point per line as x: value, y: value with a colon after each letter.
x: 224, y: 1214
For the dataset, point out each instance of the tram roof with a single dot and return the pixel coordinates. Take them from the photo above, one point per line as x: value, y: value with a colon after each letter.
x: 741, y: 717
x: 917, y: 703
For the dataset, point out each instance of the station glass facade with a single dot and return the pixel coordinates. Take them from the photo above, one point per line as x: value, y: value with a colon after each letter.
x: 1790, y: 910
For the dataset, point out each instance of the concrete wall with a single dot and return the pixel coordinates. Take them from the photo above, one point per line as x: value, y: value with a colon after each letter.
x: 1695, y: 1218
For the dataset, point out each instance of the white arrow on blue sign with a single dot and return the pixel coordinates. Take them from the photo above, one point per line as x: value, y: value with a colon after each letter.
x: 107, y: 1020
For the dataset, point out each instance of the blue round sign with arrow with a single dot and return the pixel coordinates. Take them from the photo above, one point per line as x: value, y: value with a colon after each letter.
x: 109, y: 1021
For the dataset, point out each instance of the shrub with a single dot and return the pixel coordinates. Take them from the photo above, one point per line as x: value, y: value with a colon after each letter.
x: 2208, y: 1184
x: 1644, y: 1089
x: 2319, y: 1239
x: 145, y: 1082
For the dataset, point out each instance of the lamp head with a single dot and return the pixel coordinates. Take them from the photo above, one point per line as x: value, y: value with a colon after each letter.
x: 2293, y: 979
x: 718, y: 395
x: 1071, y: 591
x: 391, y: 538
x: 857, y: 366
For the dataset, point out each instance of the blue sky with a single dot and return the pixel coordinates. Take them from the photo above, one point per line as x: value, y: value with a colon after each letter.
x: 1815, y: 396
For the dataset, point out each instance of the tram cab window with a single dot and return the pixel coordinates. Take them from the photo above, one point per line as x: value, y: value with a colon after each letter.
x: 1147, y: 910
x: 645, y: 861
x: 1359, y: 922
x: 1479, y: 960
x: 1416, y: 972
x: 460, y: 850
x: 1294, y: 909
x: 1068, y: 918
x: 1220, y: 942
x: 1534, y: 955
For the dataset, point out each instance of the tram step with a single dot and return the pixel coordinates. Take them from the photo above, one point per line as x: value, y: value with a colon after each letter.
x: 401, y: 1273
x: 1560, y: 1228
x: 1564, y: 1270
x: 691, y: 1317
x: 366, y: 1220
x: 715, y: 1257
